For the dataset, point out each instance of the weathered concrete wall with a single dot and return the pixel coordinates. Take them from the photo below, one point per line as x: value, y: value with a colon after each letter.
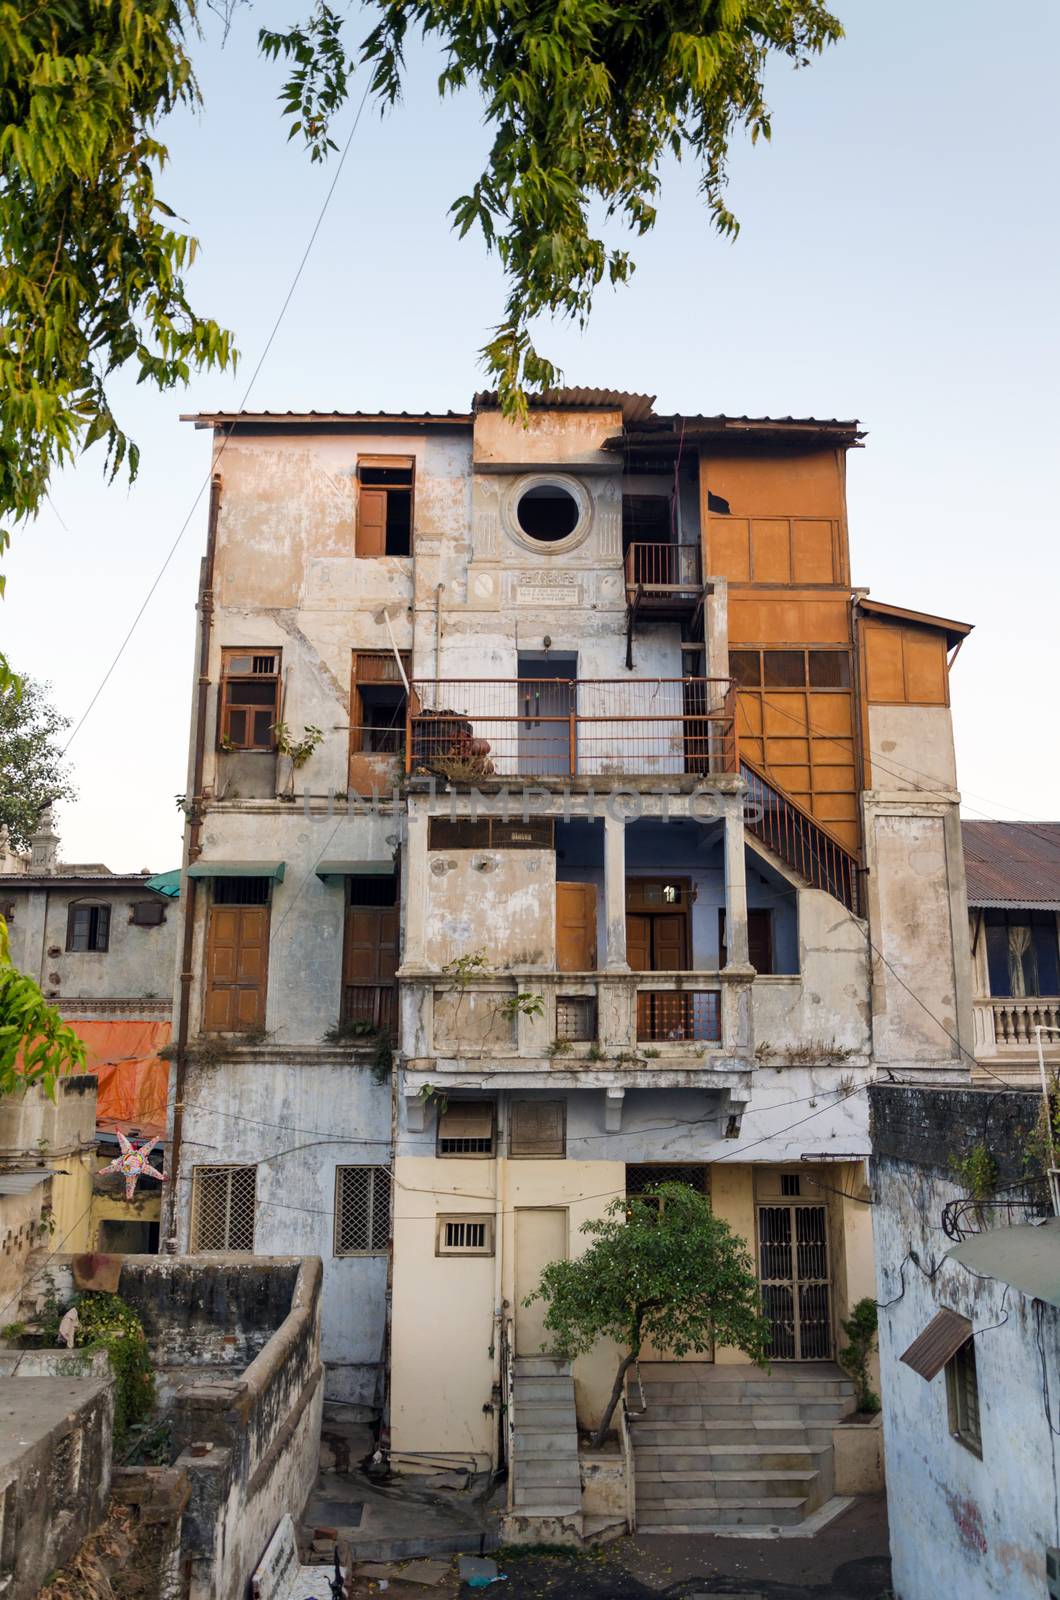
x: 55, y: 1464
x: 51, y: 1135
x: 502, y: 902
x: 297, y: 1120
x: 912, y: 748
x: 959, y: 1524
x: 138, y: 962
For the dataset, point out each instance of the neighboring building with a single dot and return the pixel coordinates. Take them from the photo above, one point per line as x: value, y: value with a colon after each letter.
x: 102, y: 947
x: 968, y: 1286
x: 1013, y: 871
x: 727, y: 888
x: 47, y: 1161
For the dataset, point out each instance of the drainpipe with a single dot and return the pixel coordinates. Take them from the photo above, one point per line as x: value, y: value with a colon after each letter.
x: 192, y: 851
x: 500, y: 1187
x: 438, y: 631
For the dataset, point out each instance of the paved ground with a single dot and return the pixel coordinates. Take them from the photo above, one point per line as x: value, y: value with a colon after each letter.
x: 846, y: 1561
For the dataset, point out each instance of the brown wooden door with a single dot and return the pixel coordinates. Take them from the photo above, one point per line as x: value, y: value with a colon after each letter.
x: 576, y: 927
x: 237, y: 959
x: 759, y: 939
x: 371, y: 522
x: 638, y: 941
x: 369, y: 965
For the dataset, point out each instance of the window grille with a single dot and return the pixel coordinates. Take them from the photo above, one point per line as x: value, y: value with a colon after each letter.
x: 241, y: 891
x: 576, y: 1017
x: 789, y: 1183
x: 642, y: 1179
x: 466, y: 1129
x: 362, y: 1211
x: 465, y: 1236
x: 374, y: 889
x: 486, y: 833
x: 224, y: 1205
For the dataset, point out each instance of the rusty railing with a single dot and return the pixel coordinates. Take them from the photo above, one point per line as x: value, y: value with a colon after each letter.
x: 466, y: 729
x: 799, y: 839
x: 372, y: 1003
x: 665, y: 568
x: 667, y: 1016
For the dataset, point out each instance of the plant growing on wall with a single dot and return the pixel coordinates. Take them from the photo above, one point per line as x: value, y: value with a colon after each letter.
x: 660, y: 1267
x: 860, y: 1329
x: 105, y: 1322
x: 36, y: 1045
x: 523, y: 1005
x: 462, y: 970
x: 301, y: 749
x: 976, y: 1172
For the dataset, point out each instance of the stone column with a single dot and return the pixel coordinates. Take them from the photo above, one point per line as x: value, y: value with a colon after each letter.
x: 735, y: 889
x: 615, y: 892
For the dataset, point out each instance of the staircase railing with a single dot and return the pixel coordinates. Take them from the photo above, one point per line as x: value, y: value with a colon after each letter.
x: 508, y: 1400
x: 799, y: 839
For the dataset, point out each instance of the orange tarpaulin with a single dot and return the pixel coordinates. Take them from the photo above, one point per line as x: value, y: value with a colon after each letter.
x: 132, y: 1080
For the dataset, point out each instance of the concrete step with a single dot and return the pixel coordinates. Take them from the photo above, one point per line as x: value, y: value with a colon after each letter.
x: 815, y: 1435
x: 545, y: 1444
x: 547, y: 1499
x: 707, y: 1513
x: 547, y: 1469
x: 678, y: 1489
x: 735, y: 1388
x: 756, y: 1458
x: 538, y: 1413
x: 541, y: 1367
x: 707, y: 1411
x: 552, y: 1389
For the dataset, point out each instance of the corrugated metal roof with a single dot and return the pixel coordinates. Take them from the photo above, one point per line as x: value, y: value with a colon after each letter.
x: 939, y: 1343
x: 1012, y: 864
x: 72, y: 880
x: 210, y: 419
x: 1027, y: 1256
x: 24, y: 1182
x: 634, y: 407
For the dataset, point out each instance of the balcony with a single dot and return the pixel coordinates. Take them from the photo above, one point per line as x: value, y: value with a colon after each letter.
x: 1004, y: 1034
x: 374, y: 1004
x: 467, y: 730
x: 664, y: 580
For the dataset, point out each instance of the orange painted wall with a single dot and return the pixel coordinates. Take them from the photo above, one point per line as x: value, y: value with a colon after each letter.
x: 782, y: 545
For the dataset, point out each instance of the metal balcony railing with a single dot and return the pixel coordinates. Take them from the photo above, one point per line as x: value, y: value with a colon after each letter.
x: 664, y: 570
x: 372, y: 1003
x: 466, y: 729
x: 670, y: 1016
x: 799, y: 839
x: 1026, y: 1201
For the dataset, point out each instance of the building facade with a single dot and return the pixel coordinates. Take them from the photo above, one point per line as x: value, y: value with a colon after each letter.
x: 560, y: 820
x: 102, y: 945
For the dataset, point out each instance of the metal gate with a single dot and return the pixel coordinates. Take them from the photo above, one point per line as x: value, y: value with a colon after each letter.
x: 793, y: 1268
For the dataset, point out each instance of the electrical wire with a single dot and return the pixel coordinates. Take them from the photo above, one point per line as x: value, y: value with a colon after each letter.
x: 224, y: 442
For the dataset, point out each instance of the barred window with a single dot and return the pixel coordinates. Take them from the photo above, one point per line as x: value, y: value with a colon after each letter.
x: 465, y: 1128
x: 642, y: 1179
x: 576, y: 1017
x: 362, y: 1211
x: 223, y: 1205
x: 465, y: 1236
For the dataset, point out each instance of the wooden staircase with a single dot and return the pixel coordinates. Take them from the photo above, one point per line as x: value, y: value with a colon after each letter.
x: 800, y: 841
x: 722, y: 1447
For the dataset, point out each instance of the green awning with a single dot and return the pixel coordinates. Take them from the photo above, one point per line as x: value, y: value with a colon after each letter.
x: 238, y: 869
x: 328, y: 870
x: 166, y: 883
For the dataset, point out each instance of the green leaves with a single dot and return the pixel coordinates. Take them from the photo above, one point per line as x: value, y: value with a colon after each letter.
x: 90, y: 270
x: 36, y: 1045
x: 32, y: 772
x: 586, y: 98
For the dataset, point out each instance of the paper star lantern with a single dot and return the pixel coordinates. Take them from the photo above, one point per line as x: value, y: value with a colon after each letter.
x: 132, y: 1162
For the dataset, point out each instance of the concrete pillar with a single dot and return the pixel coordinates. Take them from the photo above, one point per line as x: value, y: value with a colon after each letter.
x: 615, y: 893
x: 414, y: 878
x: 735, y: 891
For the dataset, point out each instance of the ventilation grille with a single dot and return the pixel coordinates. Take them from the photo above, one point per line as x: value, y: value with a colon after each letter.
x: 225, y: 1199
x: 576, y: 1017
x: 642, y: 1179
x: 465, y: 1236
x: 362, y: 1211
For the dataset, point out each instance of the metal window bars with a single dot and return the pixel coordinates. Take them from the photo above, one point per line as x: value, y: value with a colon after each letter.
x: 225, y: 1202
x: 667, y: 1016
x: 362, y: 1210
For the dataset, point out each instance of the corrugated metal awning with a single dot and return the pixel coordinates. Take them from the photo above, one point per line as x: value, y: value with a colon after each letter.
x: 238, y: 869
x: 1027, y: 1256
x: 944, y: 1335
x: 354, y: 869
x: 25, y: 1182
x: 1012, y: 865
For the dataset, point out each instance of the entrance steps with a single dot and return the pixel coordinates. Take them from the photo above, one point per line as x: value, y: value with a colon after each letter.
x: 546, y: 1504
x: 719, y: 1447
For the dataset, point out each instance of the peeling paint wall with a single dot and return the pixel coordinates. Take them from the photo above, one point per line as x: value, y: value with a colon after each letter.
x: 959, y: 1524
x: 137, y: 965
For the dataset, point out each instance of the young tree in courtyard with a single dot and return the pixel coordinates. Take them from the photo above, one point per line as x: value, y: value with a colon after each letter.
x: 661, y: 1267
x: 584, y: 101
x: 32, y: 773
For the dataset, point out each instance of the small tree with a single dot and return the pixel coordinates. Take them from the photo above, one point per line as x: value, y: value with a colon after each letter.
x: 36, y: 1045
x: 661, y: 1267
x: 32, y: 773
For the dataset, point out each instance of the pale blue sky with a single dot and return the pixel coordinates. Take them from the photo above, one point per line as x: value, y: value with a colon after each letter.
x: 897, y: 263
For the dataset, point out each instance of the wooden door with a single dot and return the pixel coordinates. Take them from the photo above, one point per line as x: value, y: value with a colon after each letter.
x: 237, y: 958
x: 759, y: 939
x: 540, y: 1237
x: 369, y: 965
x: 576, y: 927
x: 371, y: 522
x: 669, y: 942
x: 638, y: 941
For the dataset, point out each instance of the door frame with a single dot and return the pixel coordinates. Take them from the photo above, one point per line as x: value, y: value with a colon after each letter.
x: 684, y: 910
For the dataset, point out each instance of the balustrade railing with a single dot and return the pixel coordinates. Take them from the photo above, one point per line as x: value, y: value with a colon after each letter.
x: 1006, y: 1022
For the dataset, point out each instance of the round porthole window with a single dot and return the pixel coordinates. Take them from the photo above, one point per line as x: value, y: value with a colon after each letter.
x: 547, y: 513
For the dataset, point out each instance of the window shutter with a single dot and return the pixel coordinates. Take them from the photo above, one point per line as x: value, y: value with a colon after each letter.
x: 371, y: 522
x: 538, y: 1128
x: 102, y: 927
